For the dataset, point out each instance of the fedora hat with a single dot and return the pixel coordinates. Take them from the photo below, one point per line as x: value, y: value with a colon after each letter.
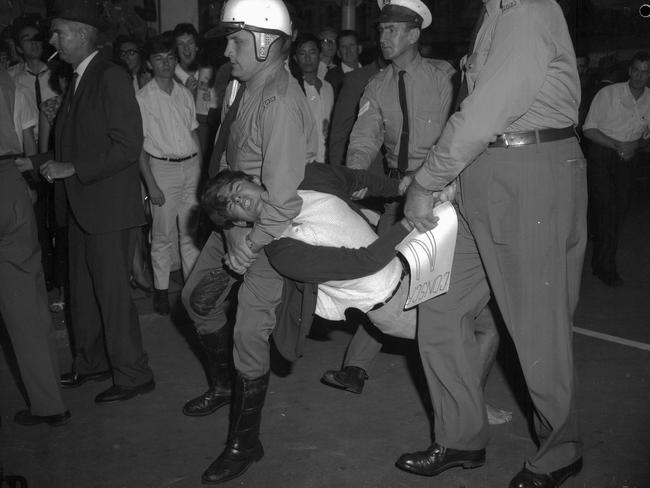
x: 84, y: 11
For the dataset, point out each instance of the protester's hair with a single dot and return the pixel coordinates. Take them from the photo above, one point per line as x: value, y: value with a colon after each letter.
x: 304, y: 38
x: 21, y: 25
x: 162, y: 43
x: 214, y: 204
x: 641, y: 57
x: 185, y: 28
x: 347, y: 33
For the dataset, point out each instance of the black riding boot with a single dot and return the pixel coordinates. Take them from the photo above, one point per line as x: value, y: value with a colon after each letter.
x: 243, y: 446
x: 218, y: 352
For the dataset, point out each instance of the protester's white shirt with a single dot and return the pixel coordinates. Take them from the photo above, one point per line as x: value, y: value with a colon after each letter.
x: 616, y: 113
x: 321, y: 105
x: 22, y: 77
x: 168, y: 120
x: 326, y: 220
x: 25, y: 113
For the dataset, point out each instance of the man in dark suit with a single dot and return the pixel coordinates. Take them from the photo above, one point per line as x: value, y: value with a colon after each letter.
x: 98, y: 140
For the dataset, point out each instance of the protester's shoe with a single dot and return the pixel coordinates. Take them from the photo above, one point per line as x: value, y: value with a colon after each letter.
x: 243, y: 447
x: 528, y: 479
x: 218, y: 362
x: 74, y: 379
x: 350, y: 378
x: 118, y: 393
x: 161, y: 302
x: 437, y: 459
x: 24, y: 417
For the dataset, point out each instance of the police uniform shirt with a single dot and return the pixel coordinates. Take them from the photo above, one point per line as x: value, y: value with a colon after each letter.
x: 616, y: 113
x: 521, y: 76
x: 272, y: 137
x: 429, y: 94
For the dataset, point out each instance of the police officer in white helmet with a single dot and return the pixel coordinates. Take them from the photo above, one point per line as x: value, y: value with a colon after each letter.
x: 268, y: 132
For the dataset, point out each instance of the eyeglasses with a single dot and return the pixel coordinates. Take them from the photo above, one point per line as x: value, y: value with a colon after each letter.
x: 328, y: 41
x: 128, y: 52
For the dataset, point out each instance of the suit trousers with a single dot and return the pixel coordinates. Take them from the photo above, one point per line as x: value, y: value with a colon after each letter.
x: 522, y: 228
x: 23, y: 298
x: 105, y: 325
x: 176, y: 218
x: 610, y: 184
x: 206, y: 298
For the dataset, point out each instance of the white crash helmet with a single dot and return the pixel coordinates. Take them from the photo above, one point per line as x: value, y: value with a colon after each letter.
x: 267, y: 20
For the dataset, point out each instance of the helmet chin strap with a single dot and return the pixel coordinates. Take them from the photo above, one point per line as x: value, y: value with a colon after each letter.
x: 263, y: 42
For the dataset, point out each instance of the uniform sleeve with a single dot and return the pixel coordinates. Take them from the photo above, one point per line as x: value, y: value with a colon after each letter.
x: 597, y: 110
x: 368, y: 132
x: 506, y: 87
x: 124, y: 129
x: 317, y: 264
x: 284, y: 131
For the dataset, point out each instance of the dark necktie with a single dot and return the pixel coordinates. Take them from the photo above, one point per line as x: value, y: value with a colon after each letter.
x: 403, y: 156
x: 69, y: 93
x: 224, y: 131
x: 37, y: 88
x: 464, y: 89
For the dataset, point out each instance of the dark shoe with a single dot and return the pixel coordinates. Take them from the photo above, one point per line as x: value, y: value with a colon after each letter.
x: 528, y: 479
x: 350, y: 378
x: 118, y: 393
x: 243, y: 447
x: 161, y: 302
x: 74, y: 379
x: 218, y: 362
x: 437, y: 459
x: 24, y: 417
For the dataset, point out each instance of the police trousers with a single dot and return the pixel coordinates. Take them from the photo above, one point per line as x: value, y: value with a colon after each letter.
x: 206, y: 299
x: 522, y: 228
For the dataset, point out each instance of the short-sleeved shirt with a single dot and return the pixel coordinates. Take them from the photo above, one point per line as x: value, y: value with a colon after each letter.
x: 429, y: 94
x: 168, y: 120
x: 521, y: 76
x: 272, y: 137
x: 616, y: 113
x: 22, y: 76
x: 25, y: 112
x: 321, y: 104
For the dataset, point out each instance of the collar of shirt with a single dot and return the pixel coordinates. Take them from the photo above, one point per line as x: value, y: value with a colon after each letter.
x: 492, y: 7
x: 262, y: 76
x: 411, y: 68
x: 81, y: 68
x: 38, y: 73
x: 156, y: 87
x: 182, y: 75
x: 346, y: 69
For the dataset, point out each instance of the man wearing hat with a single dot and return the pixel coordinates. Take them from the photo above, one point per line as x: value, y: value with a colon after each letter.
x: 98, y: 139
x: 521, y: 236
x: 267, y: 131
x: 403, y: 108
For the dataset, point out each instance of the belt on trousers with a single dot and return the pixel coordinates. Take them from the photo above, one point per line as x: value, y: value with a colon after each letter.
x: 397, y: 174
x: 10, y: 156
x: 516, y: 139
x: 394, y: 292
x: 173, y: 160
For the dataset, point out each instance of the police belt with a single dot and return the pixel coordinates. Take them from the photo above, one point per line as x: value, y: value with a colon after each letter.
x: 10, y: 156
x: 397, y: 174
x: 394, y: 292
x: 516, y: 139
x: 173, y: 160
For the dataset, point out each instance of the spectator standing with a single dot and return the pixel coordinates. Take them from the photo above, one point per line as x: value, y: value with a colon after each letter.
x: 97, y: 144
x: 616, y: 128
x: 319, y: 92
x: 348, y: 50
x: 170, y: 164
x: 127, y: 51
x: 327, y: 38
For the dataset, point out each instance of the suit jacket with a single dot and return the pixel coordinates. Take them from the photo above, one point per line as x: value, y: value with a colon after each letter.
x: 346, y: 108
x: 334, y: 77
x: 101, y: 135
